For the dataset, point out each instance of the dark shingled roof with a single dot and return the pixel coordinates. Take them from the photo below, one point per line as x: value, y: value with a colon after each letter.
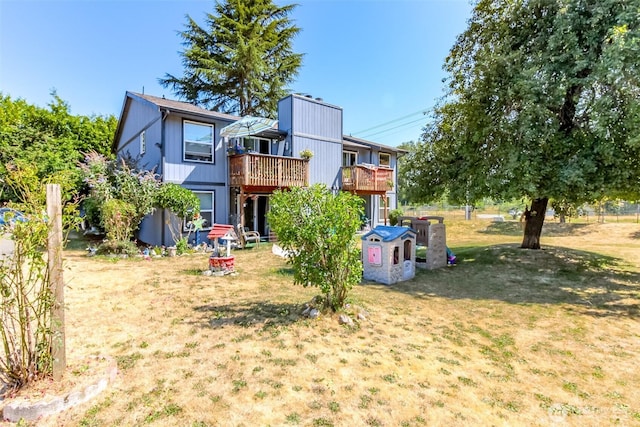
x: 184, y: 107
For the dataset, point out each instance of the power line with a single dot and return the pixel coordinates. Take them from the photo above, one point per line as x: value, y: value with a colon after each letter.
x: 369, y: 135
x: 422, y: 111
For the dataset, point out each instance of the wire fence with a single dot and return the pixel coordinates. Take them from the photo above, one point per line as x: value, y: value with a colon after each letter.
x: 588, y: 213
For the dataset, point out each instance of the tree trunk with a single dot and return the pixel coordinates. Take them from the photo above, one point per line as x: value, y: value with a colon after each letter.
x: 534, y: 219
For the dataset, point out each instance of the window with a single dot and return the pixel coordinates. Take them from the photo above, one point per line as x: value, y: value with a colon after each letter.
x: 207, y: 199
x: 349, y: 158
x: 383, y: 211
x: 198, y: 142
x: 407, y: 250
x: 256, y: 145
x: 385, y: 159
x: 143, y: 142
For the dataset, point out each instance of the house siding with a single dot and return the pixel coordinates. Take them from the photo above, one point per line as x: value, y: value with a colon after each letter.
x: 316, y: 126
x: 142, y: 117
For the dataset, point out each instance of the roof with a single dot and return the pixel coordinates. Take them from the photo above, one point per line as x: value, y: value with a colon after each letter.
x: 193, y: 110
x: 389, y: 233
x: 361, y: 143
x: 168, y: 105
x: 183, y: 107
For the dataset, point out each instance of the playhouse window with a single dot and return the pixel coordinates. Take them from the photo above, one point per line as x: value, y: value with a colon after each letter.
x: 407, y: 250
x: 396, y: 255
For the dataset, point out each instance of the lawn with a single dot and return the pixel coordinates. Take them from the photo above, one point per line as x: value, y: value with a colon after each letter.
x: 505, y: 337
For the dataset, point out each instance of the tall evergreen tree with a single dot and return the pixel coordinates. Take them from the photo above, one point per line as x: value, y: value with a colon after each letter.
x: 242, y: 61
x: 543, y: 102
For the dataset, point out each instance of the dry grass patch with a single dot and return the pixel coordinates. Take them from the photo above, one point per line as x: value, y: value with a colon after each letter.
x: 506, y: 337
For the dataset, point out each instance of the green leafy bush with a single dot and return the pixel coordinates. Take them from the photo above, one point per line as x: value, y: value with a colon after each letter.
x: 318, y: 228
x: 394, y: 214
x: 182, y: 203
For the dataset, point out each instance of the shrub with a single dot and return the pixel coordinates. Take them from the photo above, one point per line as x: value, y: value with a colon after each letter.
x: 319, y: 228
x: 394, y: 214
x: 122, y: 247
x: 118, y: 218
x: 25, y: 305
x: 182, y: 203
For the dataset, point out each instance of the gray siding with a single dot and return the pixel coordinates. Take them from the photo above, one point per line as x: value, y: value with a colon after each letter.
x: 315, y: 119
x: 317, y: 126
x: 142, y: 117
x: 183, y: 172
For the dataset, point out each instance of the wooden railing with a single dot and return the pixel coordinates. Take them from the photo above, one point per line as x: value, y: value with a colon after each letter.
x: 367, y: 179
x: 264, y: 171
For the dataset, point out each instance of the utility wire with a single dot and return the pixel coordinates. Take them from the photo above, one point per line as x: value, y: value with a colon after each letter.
x: 422, y: 111
x: 392, y: 128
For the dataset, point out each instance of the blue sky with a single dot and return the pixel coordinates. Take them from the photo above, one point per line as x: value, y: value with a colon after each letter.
x: 380, y: 60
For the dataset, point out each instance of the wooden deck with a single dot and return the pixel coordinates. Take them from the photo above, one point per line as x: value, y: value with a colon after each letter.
x: 261, y: 172
x: 362, y: 179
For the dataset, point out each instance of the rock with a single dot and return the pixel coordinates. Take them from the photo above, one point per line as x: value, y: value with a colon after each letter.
x: 345, y: 320
x: 362, y: 316
x: 314, y: 313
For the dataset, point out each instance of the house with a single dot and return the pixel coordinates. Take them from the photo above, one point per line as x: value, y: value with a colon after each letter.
x: 183, y: 143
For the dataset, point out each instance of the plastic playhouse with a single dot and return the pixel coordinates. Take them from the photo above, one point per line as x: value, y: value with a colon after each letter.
x: 431, y: 233
x: 389, y: 254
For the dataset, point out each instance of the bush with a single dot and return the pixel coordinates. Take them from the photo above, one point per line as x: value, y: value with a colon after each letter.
x: 118, y: 218
x: 182, y: 246
x: 25, y: 305
x: 319, y: 228
x: 394, y: 214
x: 119, y: 247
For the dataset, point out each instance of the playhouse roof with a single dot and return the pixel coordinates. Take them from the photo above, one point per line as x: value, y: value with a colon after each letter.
x: 388, y: 233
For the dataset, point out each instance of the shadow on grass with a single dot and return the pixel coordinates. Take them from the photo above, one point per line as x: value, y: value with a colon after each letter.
x: 510, y: 228
x: 635, y: 235
x: 271, y: 315
x: 601, y: 285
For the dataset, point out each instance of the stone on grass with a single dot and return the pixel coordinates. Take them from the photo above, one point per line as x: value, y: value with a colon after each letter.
x: 345, y: 320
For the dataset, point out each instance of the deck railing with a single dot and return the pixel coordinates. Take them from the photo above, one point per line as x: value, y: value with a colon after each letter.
x: 367, y: 179
x: 261, y: 170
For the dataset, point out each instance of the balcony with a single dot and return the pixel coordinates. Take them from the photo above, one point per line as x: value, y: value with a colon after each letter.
x: 265, y: 173
x: 367, y: 179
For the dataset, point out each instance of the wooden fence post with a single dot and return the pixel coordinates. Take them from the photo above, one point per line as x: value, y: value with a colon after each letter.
x: 54, y: 264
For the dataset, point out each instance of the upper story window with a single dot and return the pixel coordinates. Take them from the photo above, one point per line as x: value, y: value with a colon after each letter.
x: 349, y: 158
x: 385, y: 159
x: 198, y: 142
x: 256, y: 145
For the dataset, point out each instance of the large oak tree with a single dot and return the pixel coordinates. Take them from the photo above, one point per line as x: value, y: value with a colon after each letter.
x: 242, y: 61
x: 543, y: 102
